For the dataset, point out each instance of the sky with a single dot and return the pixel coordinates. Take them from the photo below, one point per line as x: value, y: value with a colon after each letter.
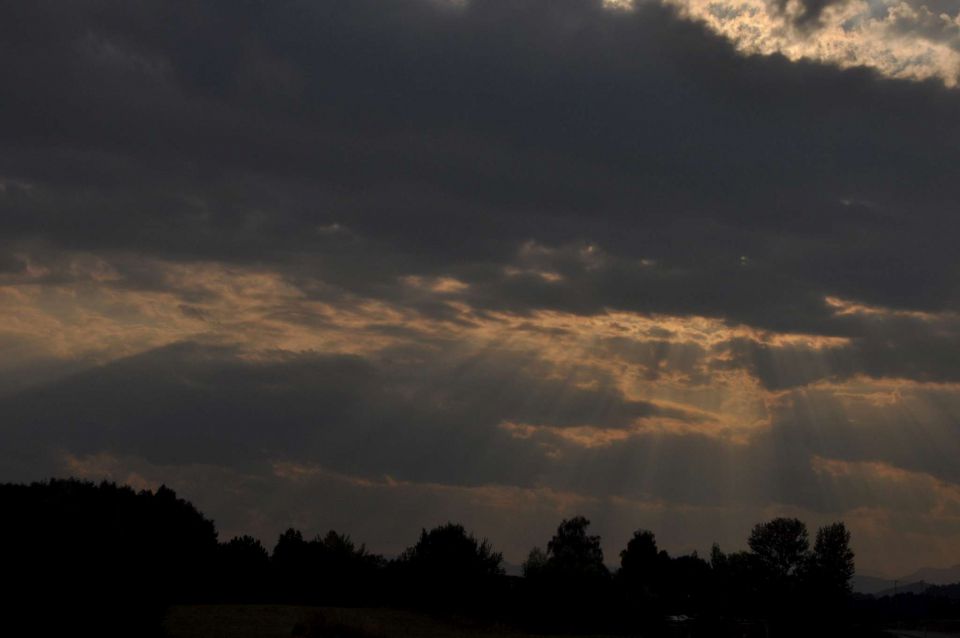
x: 374, y: 265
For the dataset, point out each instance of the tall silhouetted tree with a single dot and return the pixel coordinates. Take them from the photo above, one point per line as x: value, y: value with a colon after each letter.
x: 290, y: 549
x: 781, y: 548
x: 718, y: 560
x: 639, y: 581
x: 569, y: 584
x: 781, y: 545
x: 638, y: 561
x: 831, y: 565
x: 572, y: 553
x: 291, y: 559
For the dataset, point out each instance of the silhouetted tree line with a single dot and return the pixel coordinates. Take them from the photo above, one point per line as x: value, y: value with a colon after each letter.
x: 111, y: 557
x: 936, y: 609
x: 781, y: 586
x: 101, y: 557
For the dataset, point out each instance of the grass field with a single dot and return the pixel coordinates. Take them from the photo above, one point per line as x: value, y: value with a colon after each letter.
x: 274, y: 621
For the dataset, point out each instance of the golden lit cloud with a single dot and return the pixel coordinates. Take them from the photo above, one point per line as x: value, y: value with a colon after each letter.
x: 99, y: 312
x: 897, y: 38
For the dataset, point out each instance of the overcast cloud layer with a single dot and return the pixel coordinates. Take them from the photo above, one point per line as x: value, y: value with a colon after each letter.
x: 376, y: 264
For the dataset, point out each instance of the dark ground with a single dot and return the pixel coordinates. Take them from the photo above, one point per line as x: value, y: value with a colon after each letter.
x: 274, y: 621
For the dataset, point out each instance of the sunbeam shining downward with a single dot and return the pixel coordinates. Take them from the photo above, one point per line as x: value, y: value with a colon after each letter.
x: 747, y: 413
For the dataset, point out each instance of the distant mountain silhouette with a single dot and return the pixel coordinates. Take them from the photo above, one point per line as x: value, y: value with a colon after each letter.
x: 863, y: 584
x: 935, y: 575
x: 914, y: 582
x: 512, y: 569
x: 917, y: 587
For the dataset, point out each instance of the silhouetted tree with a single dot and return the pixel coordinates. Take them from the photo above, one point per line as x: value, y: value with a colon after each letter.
x: 655, y: 583
x: 345, y: 574
x: 291, y: 560
x: 739, y: 583
x: 638, y: 561
x: 245, y: 549
x: 450, y: 568
x: 328, y: 569
x: 572, y: 553
x: 640, y: 580
x: 684, y: 583
x: 569, y: 585
x: 536, y: 562
x: 781, y: 545
x: 830, y: 570
x: 832, y: 565
x: 243, y: 570
x: 109, y: 559
x: 718, y: 560
x: 290, y: 547
x: 104, y: 558
x: 339, y: 547
x: 448, y: 551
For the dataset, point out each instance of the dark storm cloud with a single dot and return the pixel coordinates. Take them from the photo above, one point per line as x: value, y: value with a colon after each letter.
x: 416, y: 414
x: 440, y: 139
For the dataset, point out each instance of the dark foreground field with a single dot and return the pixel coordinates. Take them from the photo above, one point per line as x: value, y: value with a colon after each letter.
x: 274, y: 621
x: 292, y: 621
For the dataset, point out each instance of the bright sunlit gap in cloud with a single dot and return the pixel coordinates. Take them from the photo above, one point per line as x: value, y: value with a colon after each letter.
x: 906, y: 39
x: 909, y: 39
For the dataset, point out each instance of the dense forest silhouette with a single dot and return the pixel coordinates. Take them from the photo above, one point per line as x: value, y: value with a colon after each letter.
x: 103, y: 556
